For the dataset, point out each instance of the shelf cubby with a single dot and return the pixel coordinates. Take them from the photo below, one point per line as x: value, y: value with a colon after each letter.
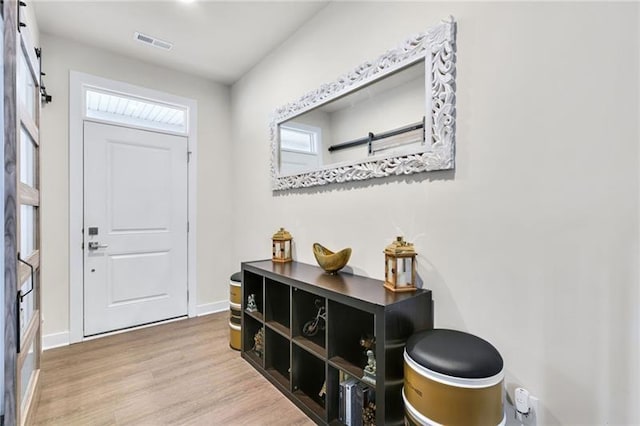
x: 276, y: 361
x: 249, y: 330
x: 300, y: 365
x: 252, y: 284
x: 256, y: 315
x: 277, y: 303
x: 333, y: 395
x: 307, y: 378
x: 334, y: 377
x: 305, y: 308
x: 351, y: 324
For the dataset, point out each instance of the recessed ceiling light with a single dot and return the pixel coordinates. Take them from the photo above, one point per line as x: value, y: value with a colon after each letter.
x: 186, y: 1
x: 152, y: 41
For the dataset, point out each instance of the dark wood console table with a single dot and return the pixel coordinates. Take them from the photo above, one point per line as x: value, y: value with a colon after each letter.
x: 297, y: 365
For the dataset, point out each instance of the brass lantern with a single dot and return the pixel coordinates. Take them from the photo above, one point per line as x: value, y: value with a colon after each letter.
x: 281, y: 248
x: 400, y: 266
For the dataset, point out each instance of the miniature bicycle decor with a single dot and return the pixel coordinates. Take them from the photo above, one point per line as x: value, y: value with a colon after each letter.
x: 311, y: 327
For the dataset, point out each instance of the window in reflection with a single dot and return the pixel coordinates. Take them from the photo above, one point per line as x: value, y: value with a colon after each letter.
x: 300, y: 147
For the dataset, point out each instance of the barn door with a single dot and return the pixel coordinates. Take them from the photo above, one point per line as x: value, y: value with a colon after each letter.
x: 22, y: 217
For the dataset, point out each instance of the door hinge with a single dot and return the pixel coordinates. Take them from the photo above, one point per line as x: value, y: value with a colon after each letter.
x: 188, y: 156
x: 82, y: 246
x: 187, y: 226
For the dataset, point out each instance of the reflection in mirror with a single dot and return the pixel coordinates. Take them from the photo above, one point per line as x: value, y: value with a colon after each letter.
x: 383, y: 118
x: 390, y: 116
x: 301, y: 145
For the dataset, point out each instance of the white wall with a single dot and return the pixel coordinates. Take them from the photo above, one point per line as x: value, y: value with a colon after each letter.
x: 214, y: 167
x: 532, y: 243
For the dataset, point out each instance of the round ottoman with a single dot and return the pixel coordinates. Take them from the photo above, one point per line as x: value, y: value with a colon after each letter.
x: 452, y: 378
x: 235, y: 299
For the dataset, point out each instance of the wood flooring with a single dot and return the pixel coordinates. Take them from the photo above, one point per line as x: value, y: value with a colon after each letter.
x: 181, y: 373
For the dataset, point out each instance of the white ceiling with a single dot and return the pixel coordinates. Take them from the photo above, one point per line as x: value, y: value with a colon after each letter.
x: 214, y: 39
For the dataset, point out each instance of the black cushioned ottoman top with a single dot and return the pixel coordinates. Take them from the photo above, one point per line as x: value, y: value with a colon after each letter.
x: 454, y: 353
x: 237, y: 277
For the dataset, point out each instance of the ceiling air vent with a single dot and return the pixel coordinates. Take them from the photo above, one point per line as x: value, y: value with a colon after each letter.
x: 152, y: 41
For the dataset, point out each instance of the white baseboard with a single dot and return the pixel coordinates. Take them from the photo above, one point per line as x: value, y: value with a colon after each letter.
x: 212, y: 308
x: 55, y: 340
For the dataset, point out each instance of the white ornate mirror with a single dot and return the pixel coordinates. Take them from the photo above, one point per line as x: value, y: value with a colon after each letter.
x: 378, y: 120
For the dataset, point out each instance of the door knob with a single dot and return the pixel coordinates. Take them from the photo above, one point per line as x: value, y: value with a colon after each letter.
x: 95, y: 245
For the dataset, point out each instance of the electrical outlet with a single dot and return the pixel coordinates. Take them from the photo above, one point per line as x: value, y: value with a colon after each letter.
x: 524, y: 401
x: 534, y: 404
x: 521, y: 397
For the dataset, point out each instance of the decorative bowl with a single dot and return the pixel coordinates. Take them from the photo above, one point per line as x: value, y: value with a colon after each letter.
x: 329, y: 261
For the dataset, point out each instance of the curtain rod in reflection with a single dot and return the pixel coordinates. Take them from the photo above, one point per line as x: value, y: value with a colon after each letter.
x: 373, y: 137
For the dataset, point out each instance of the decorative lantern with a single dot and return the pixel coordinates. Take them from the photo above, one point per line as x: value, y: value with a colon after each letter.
x: 281, y: 249
x: 400, y: 266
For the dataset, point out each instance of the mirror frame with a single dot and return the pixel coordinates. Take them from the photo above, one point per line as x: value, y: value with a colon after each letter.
x: 436, y: 47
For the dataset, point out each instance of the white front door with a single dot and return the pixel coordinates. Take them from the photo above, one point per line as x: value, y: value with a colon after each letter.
x: 135, y: 227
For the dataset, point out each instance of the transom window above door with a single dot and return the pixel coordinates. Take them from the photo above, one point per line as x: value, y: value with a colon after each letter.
x: 132, y: 111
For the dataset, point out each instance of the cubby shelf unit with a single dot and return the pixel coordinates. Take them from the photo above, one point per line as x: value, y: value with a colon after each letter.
x: 288, y: 295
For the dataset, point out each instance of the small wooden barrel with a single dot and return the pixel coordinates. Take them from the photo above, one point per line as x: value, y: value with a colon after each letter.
x: 452, y: 378
x: 235, y: 314
x: 235, y: 304
x: 235, y: 288
x: 234, y: 336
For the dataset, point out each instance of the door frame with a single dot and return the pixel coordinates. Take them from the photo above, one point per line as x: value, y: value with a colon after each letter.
x: 77, y: 83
